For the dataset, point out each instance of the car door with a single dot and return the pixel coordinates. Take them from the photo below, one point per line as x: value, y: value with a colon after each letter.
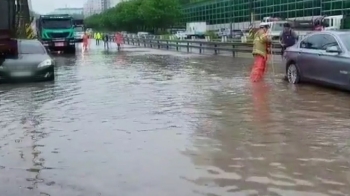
x: 309, y: 57
x: 334, y: 66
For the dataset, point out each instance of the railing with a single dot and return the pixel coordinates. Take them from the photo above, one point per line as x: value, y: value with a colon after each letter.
x: 216, y: 47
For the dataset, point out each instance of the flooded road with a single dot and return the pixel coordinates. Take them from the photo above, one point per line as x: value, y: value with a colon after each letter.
x: 147, y: 122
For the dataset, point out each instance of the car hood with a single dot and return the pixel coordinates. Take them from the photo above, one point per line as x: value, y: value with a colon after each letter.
x: 25, y: 61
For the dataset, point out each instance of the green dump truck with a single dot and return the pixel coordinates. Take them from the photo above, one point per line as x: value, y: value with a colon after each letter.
x: 56, y: 32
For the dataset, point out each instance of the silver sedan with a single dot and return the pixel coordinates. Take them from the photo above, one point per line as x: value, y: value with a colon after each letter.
x: 320, y: 57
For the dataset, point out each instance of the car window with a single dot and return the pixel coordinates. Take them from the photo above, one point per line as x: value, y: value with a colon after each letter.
x: 318, y: 42
x: 313, y: 42
x: 345, y: 38
x: 31, y: 48
x: 328, y: 41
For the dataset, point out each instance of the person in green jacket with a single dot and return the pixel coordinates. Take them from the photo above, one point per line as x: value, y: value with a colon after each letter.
x: 261, y: 50
x: 98, y: 38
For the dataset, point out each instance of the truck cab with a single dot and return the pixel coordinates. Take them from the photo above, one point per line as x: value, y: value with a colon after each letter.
x: 79, y: 33
x: 56, y: 32
x: 8, y: 43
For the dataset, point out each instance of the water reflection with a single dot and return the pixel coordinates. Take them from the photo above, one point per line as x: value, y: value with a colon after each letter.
x: 270, y: 140
x: 261, y: 102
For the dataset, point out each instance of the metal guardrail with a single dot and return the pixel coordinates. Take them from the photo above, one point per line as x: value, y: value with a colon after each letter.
x: 233, y: 47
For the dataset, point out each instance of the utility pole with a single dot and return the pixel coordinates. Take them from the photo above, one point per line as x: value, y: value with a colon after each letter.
x: 251, y: 8
x: 232, y: 17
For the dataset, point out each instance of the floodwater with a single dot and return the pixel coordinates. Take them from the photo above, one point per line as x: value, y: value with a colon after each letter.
x: 148, y: 122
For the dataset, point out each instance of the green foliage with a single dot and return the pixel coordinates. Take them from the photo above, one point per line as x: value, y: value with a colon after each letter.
x: 138, y: 15
x: 211, y: 34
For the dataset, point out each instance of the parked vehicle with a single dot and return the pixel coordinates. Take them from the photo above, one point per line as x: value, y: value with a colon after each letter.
x: 142, y: 35
x: 56, y: 32
x: 196, y: 29
x: 181, y: 35
x: 322, y: 57
x: 78, y: 33
x: 34, y: 63
x: 222, y: 32
x: 7, y: 27
x: 236, y: 33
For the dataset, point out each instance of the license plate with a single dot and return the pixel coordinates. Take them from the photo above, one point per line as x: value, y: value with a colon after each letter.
x: 21, y: 74
x: 59, y: 44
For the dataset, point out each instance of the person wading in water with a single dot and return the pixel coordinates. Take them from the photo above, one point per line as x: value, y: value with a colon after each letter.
x: 105, y: 41
x: 119, y: 39
x: 261, y: 49
x: 85, y: 41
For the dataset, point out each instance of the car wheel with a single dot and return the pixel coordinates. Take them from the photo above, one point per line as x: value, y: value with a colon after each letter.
x: 51, y: 78
x: 293, y: 75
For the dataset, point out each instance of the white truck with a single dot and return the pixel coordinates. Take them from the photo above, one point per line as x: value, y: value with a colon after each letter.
x: 337, y: 22
x: 196, y: 30
x: 301, y: 27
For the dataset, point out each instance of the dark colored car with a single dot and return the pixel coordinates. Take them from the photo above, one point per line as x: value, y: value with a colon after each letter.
x: 237, y: 33
x: 321, y: 57
x: 31, y: 62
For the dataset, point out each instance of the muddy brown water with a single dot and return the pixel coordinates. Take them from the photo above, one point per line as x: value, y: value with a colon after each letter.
x: 149, y: 122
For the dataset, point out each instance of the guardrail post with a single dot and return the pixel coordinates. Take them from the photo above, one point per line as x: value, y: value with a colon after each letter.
x: 177, y: 46
x: 233, y: 50
x: 158, y: 44
x: 216, y: 50
x: 133, y: 42
x: 139, y: 42
x: 144, y: 43
x: 188, y: 47
x: 167, y: 45
x: 150, y: 43
x: 200, y: 48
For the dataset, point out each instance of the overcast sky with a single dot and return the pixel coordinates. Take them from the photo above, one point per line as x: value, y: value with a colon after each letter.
x: 45, y: 6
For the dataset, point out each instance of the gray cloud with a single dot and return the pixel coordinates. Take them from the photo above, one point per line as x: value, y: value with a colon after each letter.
x: 45, y: 6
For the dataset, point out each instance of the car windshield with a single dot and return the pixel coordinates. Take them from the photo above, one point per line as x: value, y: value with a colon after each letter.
x: 277, y: 27
x: 345, y: 38
x: 31, y: 48
x: 327, y: 21
x: 57, y: 23
x: 78, y: 29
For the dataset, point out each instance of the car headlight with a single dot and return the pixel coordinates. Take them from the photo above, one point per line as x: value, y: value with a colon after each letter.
x: 46, y: 63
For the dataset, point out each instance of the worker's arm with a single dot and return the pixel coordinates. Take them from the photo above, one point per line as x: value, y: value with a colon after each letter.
x: 265, y: 38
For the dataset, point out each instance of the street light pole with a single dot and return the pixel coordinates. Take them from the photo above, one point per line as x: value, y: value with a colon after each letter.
x: 231, y: 25
x: 251, y: 8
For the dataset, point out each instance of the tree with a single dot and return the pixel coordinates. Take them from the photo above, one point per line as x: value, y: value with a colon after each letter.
x: 138, y: 15
x: 161, y: 13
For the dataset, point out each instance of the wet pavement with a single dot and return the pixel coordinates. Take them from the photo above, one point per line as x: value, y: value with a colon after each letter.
x: 149, y: 122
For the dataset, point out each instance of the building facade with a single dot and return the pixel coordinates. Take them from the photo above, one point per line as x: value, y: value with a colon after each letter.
x: 92, y: 7
x: 217, y: 12
x: 115, y: 2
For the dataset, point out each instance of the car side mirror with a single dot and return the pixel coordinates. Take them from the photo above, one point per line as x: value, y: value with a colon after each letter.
x: 333, y: 49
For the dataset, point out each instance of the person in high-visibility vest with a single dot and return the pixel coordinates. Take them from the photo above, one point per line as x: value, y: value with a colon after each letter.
x: 261, y: 50
x: 98, y: 38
